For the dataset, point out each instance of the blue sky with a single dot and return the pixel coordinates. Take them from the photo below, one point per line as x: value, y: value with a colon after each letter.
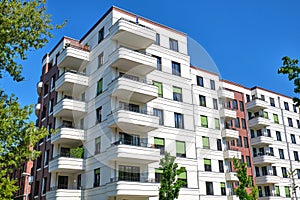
x: 246, y: 39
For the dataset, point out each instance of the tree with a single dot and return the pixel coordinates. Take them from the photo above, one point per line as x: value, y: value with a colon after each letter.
x: 24, y: 25
x: 245, y: 182
x: 17, y: 138
x: 291, y: 68
x: 170, y: 185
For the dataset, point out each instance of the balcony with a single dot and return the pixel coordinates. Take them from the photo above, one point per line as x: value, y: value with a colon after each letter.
x: 136, y: 153
x: 138, y: 121
x: 227, y: 114
x: 258, y: 122
x: 132, y: 34
x: 230, y: 154
x: 132, y: 88
x: 66, y: 163
x: 69, y: 108
x: 70, y: 137
x: 39, y: 87
x: 64, y: 194
x: 73, y: 57
x: 230, y: 134
x: 71, y: 83
x: 231, y: 176
x: 261, y: 141
x: 264, y: 159
x: 225, y: 94
x: 132, y: 188
x: 131, y: 61
x: 268, y: 179
x: 256, y: 105
x: 37, y: 109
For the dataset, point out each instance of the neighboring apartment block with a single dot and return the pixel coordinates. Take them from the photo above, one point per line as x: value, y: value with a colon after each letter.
x: 126, y: 93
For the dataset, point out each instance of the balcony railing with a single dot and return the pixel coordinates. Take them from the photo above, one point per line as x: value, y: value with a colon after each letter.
x: 133, y: 78
x: 133, y: 22
x: 71, y: 71
x: 263, y: 154
x: 132, y: 179
x: 132, y: 109
x: 69, y: 155
x: 132, y: 143
x: 65, y: 187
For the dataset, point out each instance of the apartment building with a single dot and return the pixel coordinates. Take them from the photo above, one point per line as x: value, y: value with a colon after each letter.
x: 273, y: 123
x: 124, y: 94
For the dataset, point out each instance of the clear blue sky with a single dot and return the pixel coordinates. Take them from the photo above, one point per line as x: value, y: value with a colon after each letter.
x: 246, y: 39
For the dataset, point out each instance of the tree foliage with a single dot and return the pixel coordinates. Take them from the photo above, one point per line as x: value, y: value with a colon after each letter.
x: 24, y: 25
x: 17, y: 137
x: 245, y: 182
x: 291, y: 68
x: 170, y: 185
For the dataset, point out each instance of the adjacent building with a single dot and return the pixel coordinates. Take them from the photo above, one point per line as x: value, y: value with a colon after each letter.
x: 125, y: 93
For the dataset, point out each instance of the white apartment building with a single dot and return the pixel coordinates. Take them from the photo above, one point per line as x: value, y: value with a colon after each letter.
x: 126, y: 93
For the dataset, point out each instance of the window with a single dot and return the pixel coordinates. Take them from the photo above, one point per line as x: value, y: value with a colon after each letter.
x: 296, y: 156
x: 281, y: 153
x: 221, y: 166
x: 183, y: 177
x: 268, y: 132
x: 257, y: 174
x: 173, y: 44
x: 272, y: 102
x: 242, y: 106
x: 234, y: 104
x: 200, y: 81
x: 298, y: 123
x: 39, y: 162
x: 46, y: 89
x: 158, y: 175
x: 275, y: 116
x: 215, y: 104
x: 207, y: 165
x: 46, y: 157
x: 202, y: 100
x: 177, y: 94
x: 239, y: 142
x: 205, y: 142
x: 157, y: 39
x: 290, y: 121
x: 159, y: 143
x: 219, y: 144
x: 159, y: 88
x: 159, y: 114
x: 248, y: 161
x: 298, y: 173
x: 246, y: 143
x: 52, y: 82
x: 237, y: 123
x: 248, y: 97
x: 209, y: 188
x: 252, y: 133
x: 284, y: 172
x: 158, y: 62
x: 243, y: 123
x: 180, y: 149
x: 99, y: 114
x: 274, y: 170
x: 212, y: 85
x: 217, y: 124
x: 36, y: 188
x: 204, y: 122
x: 99, y: 86
x: 232, y: 142
x: 101, y: 35
x: 286, y: 106
x: 266, y: 115
x: 264, y: 171
x: 293, y: 138
x: 260, y: 194
x: 262, y: 97
x: 44, y: 185
x: 287, y: 191
x: 176, y: 69
x: 97, y: 177
x: 277, y: 191
x: 178, y: 118
x: 51, y: 105
x: 129, y: 173
x: 267, y: 191
x: 100, y: 60
x: 97, y: 145
x: 278, y: 136
x: 295, y: 108
x: 243, y: 159
x: 223, y: 189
